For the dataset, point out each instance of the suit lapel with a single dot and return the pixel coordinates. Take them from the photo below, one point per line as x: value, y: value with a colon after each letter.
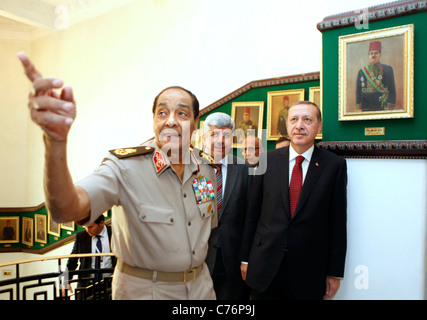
x: 314, y: 169
x: 283, y: 172
x: 232, y: 173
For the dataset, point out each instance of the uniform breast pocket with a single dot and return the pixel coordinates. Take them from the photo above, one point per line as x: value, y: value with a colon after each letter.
x: 155, y: 214
x: 207, y: 209
x: 158, y: 228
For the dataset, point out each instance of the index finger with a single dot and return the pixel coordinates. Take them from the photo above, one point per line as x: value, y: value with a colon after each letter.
x: 30, y: 70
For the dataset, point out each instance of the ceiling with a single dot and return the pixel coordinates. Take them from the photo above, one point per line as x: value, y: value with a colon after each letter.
x: 31, y: 15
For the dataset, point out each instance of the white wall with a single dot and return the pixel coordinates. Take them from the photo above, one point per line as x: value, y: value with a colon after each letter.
x: 387, y: 209
x: 119, y: 61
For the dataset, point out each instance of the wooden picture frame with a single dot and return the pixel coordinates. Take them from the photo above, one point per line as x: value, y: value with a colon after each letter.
x: 248, y: 118
x: 28, y: 231
x: 40, y: 233
x: 376, y: 72
x: 9, y: 229
x: 278, y: 103
x: 54, y: 228
x: 315, y: 96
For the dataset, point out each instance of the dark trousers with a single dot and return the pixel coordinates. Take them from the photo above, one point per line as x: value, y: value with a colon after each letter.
x: 285, y: 287
x: 225, y: 288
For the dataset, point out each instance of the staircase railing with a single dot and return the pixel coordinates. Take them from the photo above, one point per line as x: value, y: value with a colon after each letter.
x: 54, y: 285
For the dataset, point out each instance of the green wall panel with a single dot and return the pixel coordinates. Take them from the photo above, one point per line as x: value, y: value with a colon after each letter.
x: 395, y: 129
x: 260, y: 94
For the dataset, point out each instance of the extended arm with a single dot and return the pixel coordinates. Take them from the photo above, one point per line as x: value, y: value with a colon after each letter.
x: 55, y: 112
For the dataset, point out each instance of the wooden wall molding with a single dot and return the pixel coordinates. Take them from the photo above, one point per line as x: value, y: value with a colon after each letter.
x: 374, y: 13
x: 305, y: 77
x: 388, y: 149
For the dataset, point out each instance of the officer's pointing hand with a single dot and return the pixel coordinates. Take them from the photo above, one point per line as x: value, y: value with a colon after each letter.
x: 54, y: 111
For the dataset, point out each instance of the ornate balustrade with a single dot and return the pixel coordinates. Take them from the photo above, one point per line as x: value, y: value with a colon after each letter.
x: 54, y: 285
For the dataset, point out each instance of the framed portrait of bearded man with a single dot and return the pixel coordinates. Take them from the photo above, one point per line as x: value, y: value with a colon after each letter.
x: 376, y: 74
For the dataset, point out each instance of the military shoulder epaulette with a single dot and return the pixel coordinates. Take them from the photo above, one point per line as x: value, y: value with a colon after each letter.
x: 131, y: 152
x: 205, y: 157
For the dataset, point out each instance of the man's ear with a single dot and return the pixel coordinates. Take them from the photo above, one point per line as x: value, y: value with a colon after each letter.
x: 319, y: 131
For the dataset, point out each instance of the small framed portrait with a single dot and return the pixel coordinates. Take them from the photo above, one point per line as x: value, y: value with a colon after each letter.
x: 247, y: 118
x: 278, y: 103
x: 68, y: 226
x: 315, y: 96
x: 40, y: 228
x: 9, y: 229
x: 376, y: 71
x: 197, y: 136
x: 27, y: 231
x: 54, y: 228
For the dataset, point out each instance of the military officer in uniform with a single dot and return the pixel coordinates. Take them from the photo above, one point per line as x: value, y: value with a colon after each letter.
x: 162, y: 193
x: 375, y: 87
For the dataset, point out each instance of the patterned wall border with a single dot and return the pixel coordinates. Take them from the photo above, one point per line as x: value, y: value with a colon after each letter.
x: 391, y: 149
x: 374, y: 13
x: 305, y: 77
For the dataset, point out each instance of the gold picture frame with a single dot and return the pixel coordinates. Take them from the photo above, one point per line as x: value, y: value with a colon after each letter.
x: 248, y: 118
x: 315, y: 96
x: 40, y: 228
x: 54, y: 228
x: 9, y: 229
x: 70, y: 226
x: 278, y: 103
x: 376, y: 74
x: 197, y: 136
x: 28, y: 231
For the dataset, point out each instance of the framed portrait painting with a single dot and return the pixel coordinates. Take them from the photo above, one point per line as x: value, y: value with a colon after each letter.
x: 315, y: 96
x: 196, y: 137
x: 247, y: 118
x: 40, y: 228
x: 27, y: 231
x: 54, y: 228
x: 278, y: 103
x: 68, y: 226
x: 376, y: 72
x: 9, y: 229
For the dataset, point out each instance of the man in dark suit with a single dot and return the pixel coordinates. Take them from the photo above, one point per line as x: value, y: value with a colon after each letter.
x: 297, y: 255
x: 224, y: 243
x: 86, y: 242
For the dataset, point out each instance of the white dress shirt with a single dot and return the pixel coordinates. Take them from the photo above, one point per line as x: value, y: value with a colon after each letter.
x: 105, y: 261
x: 224, y: 164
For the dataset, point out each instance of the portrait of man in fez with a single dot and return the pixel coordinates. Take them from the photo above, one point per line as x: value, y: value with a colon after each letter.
x: 248, y: 118
x: 375, y: 87
x: 278, y: 103
x: 376, y: 74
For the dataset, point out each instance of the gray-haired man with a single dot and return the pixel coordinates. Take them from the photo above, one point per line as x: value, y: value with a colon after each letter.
x: 233, y: 181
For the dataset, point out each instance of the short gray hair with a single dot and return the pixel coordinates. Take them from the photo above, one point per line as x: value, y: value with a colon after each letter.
x: 218, y: 119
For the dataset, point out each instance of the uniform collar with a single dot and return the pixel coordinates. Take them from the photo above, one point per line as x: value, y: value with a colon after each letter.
x: 162, y: 163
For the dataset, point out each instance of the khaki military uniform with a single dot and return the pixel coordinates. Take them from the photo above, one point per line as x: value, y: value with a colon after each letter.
x: 159, y: 228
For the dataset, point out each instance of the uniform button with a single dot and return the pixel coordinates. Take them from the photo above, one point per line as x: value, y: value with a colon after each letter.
x: 185, y: 195
x: 189, y: 223
x: 171, y: 220
x: 194, y: 252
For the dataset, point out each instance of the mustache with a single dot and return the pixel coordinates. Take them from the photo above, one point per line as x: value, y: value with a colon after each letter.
x: 170, y: 132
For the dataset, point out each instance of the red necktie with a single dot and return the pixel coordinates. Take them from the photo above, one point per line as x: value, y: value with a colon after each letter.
x: 219, y: 187
x: 296, y: 184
